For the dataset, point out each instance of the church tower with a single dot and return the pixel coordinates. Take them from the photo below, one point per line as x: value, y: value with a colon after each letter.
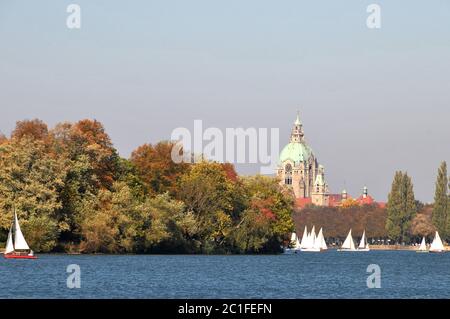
x: 320, y: 194
x: 298, y: 167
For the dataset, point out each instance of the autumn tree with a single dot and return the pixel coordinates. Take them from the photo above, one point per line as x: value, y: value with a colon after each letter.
x: 208, y: 193
x: 3, y: 138
x: 88, y: 138
x: 30, y: 182
x: 155, y: 167
x: 441, y: 201
x: 110, y: 221
x: 268, y: 217
x: 422, y: 225
x: 34, y: 129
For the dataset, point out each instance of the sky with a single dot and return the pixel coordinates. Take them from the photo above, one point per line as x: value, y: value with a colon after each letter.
x: 372, y: 101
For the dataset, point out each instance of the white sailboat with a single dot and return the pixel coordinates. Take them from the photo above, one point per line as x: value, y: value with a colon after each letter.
x: 320, y: 243
x: 315, y: 243
x: 294, y: 245
x: 437, y: 246
x: 17, y: 248
x: 304, y: 241
x: 363, y: 245
x: 423, y: 247
x: 349, y: 244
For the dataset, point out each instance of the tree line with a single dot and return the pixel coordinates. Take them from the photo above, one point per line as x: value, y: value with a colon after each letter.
x: 403, y: 220
x: 73, y: 193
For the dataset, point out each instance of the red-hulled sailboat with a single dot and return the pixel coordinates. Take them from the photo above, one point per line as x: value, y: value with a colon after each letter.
x: 17, y: 248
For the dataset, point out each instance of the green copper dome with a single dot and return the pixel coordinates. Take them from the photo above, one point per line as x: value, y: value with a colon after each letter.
x: 296, y: 152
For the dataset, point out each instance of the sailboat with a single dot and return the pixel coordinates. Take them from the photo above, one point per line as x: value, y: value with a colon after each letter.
x: 423, y: 247
x: 363, y: 245
x: 437, y: 246
x: 321, y: 241
x: 314, y: 243
x: 349, y: 244
x: 17, y: 248
x: 295, y: 245
x: 305, y: 238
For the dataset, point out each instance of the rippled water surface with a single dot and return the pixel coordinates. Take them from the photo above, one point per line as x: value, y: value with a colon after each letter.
x: 331, y: 274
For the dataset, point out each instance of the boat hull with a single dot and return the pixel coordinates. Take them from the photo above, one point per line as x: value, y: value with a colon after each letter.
x: 437, y: 251
x: 14, y: 256
x: 422, y: 251
x: 347, y: 250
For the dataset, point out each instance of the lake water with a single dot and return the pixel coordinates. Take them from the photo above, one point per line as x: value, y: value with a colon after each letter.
x: 331, y: 274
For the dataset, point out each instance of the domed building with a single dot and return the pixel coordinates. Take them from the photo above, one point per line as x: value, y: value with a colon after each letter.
x: 299, y: 169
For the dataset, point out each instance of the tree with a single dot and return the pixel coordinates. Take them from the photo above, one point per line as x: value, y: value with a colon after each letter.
x: 208, y: 193
x: 422, y: 224
x: 441, y: 201
x: 34, y: 129
x: 401, y: 207
x: 30, y: 181
x: 155, y: 167
x: 110, y: 221
x: 88, y: 137
x: 394, y: 207
x: 268, y: 217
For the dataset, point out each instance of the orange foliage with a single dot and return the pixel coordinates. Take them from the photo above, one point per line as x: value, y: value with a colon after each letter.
x: 89, y: 137
x: 230, y: 172
x: 35, y: 129
x: 156, y: 168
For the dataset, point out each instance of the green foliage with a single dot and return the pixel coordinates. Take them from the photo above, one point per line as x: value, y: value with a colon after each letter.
x: 208, y: 194
x: 441, y: 201
x: 73, y: 192
x: 401, y: 207
x: 30, y: 182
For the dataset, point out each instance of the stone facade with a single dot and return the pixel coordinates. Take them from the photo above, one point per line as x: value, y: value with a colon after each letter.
x: 299, y: 169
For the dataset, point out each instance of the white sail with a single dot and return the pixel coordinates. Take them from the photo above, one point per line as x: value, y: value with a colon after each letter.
x: 304, y: 238
x: 362, y: 244
x: 312, y: 237
x: 437, y: 245
x: 323, y: 244
x: 293, y: 237
x: 297, y: 244
x: 423, y: 245
x: 9, y: 243
x: 320, y: 241
x: 19, y: 240
x: 348, y: 243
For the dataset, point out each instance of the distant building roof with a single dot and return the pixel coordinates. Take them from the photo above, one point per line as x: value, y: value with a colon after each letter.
x: 302, y: 202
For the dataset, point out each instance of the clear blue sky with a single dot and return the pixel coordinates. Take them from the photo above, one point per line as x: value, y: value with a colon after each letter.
x: 372, y: 101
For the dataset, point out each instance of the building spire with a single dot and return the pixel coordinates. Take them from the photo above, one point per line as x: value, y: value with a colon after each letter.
x: 297, y: 131
x: 297, y: 120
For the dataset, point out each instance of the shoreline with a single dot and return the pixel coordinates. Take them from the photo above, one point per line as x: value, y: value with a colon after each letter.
x: 372, y: 247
